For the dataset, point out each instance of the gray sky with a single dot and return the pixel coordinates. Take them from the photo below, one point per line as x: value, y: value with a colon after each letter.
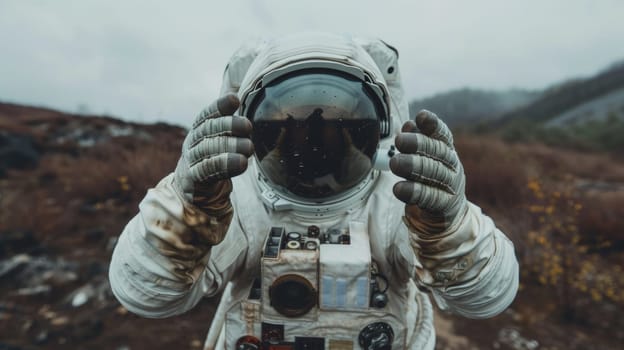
x: 162, y: 60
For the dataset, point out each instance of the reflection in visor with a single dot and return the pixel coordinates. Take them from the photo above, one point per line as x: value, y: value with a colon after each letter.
x: 315, y: 133
x: 315, y: 157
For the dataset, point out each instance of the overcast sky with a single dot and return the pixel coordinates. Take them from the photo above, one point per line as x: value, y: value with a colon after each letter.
x: 153, y: 60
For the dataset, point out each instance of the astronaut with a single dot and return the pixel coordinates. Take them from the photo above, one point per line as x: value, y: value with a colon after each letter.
x: 282, y: 200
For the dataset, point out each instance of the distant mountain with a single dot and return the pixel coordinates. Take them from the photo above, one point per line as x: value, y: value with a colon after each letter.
x: 467, y: 106
x: 573, y: 101
x: 579, y: 99
x: 609, y: 105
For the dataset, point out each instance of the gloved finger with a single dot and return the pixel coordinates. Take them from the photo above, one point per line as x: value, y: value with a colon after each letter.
x: 412, y: 143
x: 429, y: 124
x: 224, y: 105
x: 222, y: 126
x: 220, y: 144
x: 425, y: 197
x: 222, y: 166
x: 424, y: 170
x: 409, y: 126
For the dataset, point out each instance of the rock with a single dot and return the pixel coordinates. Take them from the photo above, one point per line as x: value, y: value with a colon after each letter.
x: 97, y: 290
x: 82, y: 295
x: 57, y: 279
x: 7, y: 267
x: 41, y: 337
x: 513, y: 339
x: 46, y: 312
x: 32, y: 275
x: 17, y: 152
x: 30, y: 291
x: 27, y: 326
x: 81, y: 298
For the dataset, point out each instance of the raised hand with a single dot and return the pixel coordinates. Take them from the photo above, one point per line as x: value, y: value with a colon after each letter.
x: 435, y: 182
x: 215, y: 149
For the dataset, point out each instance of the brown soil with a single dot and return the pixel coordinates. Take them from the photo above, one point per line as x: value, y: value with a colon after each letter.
x: 62, y: 210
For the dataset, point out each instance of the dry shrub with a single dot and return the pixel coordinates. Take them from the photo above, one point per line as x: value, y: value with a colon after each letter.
x: 496, y: 177
x: 98, y: 189
x: 557, y: 163
x: 563, y: 210
x: 111, y: 170
x: 602, y: 221
x: 560, y: 257
x: 496, y: 174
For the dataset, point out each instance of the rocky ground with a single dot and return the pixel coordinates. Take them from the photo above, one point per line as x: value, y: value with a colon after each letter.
x: 68, y: 185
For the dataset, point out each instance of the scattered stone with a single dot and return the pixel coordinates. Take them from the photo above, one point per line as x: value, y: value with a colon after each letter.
x: 81, y: 297
x: 27, y: 326
x: 17, y: 152
x: 36, y: 275
x: 9, y: 266
x: 47, y: 313
x: 57, y: 278
x: 98, y: 289
x: 120, y: 130
x: 41, y: 337
x: 59, y: 321
x: 513, y: 338
x: 516, y: 316
x: 30, y: 291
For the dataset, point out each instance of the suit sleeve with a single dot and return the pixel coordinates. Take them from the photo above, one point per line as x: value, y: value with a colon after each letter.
x: 160, y: 267
x: 471, y: 268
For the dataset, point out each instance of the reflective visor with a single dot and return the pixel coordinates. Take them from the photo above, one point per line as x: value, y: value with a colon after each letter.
x: 315, y: 133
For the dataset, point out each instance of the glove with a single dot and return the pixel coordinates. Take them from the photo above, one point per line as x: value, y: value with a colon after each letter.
x: 215, y: 149
x: 434, y: 192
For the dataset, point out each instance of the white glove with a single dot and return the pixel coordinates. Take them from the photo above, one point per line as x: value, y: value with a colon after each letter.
x: 215, y: 149
x: 434, y: 191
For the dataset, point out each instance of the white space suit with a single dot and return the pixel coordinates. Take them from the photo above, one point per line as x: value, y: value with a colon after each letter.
x: 160, y: 268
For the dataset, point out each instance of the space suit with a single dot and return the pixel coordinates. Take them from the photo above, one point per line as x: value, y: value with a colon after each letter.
x: 281, y: 202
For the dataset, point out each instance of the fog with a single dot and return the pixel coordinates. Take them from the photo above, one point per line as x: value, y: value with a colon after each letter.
x: 162, y: 61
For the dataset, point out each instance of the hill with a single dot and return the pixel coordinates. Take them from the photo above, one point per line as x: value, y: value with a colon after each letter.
x: 567, y: 96
x: 466, y: 107
x: 575, y: 101
x: 73, y: 182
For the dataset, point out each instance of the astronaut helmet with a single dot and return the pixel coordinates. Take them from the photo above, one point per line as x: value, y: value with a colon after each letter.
x: 317, y: 123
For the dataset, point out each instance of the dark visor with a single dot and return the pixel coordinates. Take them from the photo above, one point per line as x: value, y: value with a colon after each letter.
x: 315, y: 133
